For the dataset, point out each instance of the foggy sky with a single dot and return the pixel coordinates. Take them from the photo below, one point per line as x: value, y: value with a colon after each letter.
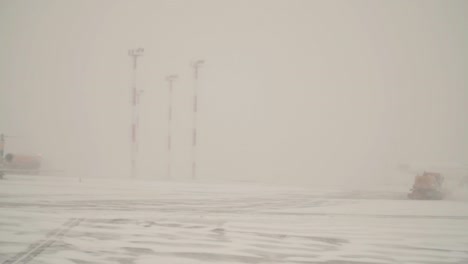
x: 295, y: 90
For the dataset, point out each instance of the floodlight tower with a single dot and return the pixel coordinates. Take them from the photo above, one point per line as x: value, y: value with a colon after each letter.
x: 135, y: 97
x: 170, y: 79
x: 195, y: 65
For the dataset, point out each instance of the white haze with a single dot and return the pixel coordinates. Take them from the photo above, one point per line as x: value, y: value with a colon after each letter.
x: 291, y: 90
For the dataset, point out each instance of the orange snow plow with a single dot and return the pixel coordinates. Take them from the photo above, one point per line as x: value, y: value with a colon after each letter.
x: 427, y: 186
x: 17, y: 163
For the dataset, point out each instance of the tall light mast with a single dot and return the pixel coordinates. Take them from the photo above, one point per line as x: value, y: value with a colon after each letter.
x: 170, y: 79
x: 135, y: 98
x: 195, y: 65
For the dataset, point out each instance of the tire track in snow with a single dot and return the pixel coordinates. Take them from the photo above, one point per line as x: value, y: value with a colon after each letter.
x: 37, y: 248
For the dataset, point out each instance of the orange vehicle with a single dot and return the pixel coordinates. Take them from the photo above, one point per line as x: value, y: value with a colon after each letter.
x: 14, y: 163
x: 29, y: 163
x: 427, y: 186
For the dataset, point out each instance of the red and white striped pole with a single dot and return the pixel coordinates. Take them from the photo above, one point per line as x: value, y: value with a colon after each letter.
x: 134, y: 53
x: 2, y: 152
x: 2, y: 147
x: 195, y: 65
x: 170, y: 79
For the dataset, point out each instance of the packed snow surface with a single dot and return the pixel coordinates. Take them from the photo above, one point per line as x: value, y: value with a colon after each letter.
x: 65, y: 220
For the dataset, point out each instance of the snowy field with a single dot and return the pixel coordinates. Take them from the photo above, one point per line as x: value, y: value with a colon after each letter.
x: 63, y: 220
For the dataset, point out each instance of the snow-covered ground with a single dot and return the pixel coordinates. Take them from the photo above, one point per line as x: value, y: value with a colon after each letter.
x: 63, y: 220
